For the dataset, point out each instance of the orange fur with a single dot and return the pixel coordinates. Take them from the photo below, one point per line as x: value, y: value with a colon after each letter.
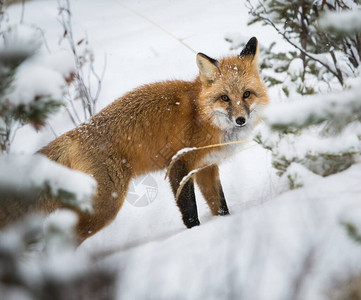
x: 141, y: 131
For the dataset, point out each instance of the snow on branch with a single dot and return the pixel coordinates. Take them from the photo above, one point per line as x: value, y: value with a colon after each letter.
x: 294, y: 134
x: 31, y: 83
x: 340, y: 108
x: 55, y: 273
x: 344, y: 22
x: 19, y: 41
x: 321, y: 155
x: 28, y: 173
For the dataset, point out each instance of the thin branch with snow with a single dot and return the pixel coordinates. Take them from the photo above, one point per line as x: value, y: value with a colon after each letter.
x: 333, y: 70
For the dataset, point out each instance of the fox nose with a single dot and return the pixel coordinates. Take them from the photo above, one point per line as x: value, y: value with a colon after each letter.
x: 241, y: 121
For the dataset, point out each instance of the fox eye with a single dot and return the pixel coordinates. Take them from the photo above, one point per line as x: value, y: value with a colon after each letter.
x: 225, y: 98
x: 246, y: 94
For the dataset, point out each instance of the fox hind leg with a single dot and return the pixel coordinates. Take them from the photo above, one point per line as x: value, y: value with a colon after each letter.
x: 106, y: 205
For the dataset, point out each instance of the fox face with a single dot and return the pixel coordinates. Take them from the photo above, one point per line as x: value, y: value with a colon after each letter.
x: 232, y: 94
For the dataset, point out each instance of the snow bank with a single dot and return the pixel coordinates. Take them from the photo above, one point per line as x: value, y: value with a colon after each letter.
x: 291, y: 248
x: 26, y: 172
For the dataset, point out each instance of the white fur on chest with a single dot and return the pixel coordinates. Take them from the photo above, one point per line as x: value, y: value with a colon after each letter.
x: 223, y: 152
x: 232, y: 134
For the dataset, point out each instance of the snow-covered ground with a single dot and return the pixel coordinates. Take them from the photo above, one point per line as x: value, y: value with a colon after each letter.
x: 273, y: 246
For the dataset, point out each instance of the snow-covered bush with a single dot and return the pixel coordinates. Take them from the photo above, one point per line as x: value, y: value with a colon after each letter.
x: 25, y: 178
x: 322, y: 133
x: 57, y: 272
x: 32, y: 86
x: 31, y: 89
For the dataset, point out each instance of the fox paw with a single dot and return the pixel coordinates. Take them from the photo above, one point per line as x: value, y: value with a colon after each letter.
x: 191, y: 222
x: 223, y: 211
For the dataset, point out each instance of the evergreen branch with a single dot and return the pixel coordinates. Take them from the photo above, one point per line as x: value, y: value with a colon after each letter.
x: 283, y: 34
x: 352, y: 231
x: 339, y: 108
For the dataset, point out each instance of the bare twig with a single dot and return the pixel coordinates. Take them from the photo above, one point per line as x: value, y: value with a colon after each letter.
x: 2, y: 13
x: 52, y: 130
x: 83, y: 90
x: 192, y: 173
x: 44, y: 39
x: 182, y: 153
x: 22, y: 11
x: 155, y: 24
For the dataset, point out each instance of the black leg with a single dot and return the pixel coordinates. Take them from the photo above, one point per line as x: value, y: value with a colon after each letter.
x: 223, y: 209
x: 186, y: 200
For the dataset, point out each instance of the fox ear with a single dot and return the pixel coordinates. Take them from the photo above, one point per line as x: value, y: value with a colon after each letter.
x: 251, y: 49
x: 208, y: 67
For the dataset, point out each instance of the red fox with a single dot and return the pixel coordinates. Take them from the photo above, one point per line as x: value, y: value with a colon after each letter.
x: 141, y: 131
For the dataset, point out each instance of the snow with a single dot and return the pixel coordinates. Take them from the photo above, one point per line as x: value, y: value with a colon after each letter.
x: 315, y: 109
x: 61, y: 62
x: 299, y: 176
x: 296, y: 67
x: 21, y: 171
x: 346, y: 21
x: 185, y: 180
x: 181, y: 152
x: 36, y: 81
x: 236, y: 39
x: 351, y: 215
x: 255, y: 253
x: 311, y: 142
x: 40, y: 77
x: 20, y: 40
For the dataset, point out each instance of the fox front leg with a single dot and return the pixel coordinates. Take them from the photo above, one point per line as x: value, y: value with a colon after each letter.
x: 186, y: 200
x: 211, y: 189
